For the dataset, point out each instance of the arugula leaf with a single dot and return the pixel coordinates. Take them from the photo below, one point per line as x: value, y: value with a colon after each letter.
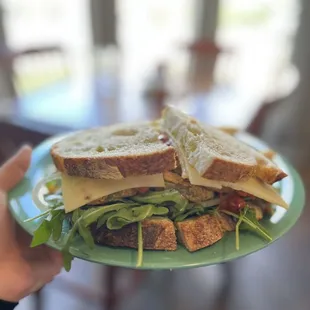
x: 76, y: 215
x: 253, y: 225
x: 53, y: 228
x: 127, y: 216
x: 179, y: 208
x: 249, y: 222
x: 86, y: 234
x: 52, y: 225
x: 211, y: 203
x: 196, y: 209
x: 92, y: 215
x: 67, y: 260
x: 169, y: 195
x: 38, y: 216
x: 242, y: 215
x: 140, y: 245
x: 103, y: 219
x: 183, y: 216
x: 56, y: 224
x: 82, y: 219
x: 42, y: 234
x: 70, y: 236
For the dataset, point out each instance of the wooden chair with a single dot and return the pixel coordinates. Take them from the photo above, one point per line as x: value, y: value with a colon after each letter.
x: 256, y: 125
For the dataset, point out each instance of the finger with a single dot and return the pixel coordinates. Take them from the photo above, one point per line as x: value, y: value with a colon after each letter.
x: 13, y: 171
x: 22, y: 277
x: 23, y: 238
x: 17, y: 279
x: 41, y: 252
x: 55, y: 256
x: 7, y: 233
x: 44, y: 269
x: 38, y: 286
x: 35, y: 267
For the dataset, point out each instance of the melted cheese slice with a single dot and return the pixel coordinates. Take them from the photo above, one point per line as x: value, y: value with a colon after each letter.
x: 79, y: 191
x: 253, y: 186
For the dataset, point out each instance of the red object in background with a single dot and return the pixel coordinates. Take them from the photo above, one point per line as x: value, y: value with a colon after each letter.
x: 204, y: 46
x: 204, y: 53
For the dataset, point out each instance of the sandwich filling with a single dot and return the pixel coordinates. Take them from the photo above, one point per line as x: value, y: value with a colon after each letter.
x: 101, y: 212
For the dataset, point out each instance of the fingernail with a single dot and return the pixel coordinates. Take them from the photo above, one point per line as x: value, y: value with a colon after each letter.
x: 37, y: 287
x: 26, y: 146
x: 56, y: 256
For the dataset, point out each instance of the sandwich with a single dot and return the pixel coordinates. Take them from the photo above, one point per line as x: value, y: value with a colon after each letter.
x: 155, y: 186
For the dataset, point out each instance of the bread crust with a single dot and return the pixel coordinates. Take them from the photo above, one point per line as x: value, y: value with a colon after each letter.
x: 223, y: 170
x: 158, y: 234
x: 215, y: 154
x: 114, y: 152
x: 268, y: 171
x: 123, y: 150
x: 116, y: 167
x: 199, y: 232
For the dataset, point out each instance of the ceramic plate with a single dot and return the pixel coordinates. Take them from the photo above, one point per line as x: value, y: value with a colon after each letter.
x: 291, y: 188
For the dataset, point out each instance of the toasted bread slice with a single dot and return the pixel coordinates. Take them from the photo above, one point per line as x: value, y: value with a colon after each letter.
x: 114, y: 152
x: 191, y: 192
x: 158, y: 234
x: 215, y: 154
x: 226, y: 222
x: 199, y: 232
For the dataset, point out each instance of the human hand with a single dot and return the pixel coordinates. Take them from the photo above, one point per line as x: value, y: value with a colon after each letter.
x: 23, y: 270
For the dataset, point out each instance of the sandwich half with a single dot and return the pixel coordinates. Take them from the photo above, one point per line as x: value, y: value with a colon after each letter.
x: 155, y: 185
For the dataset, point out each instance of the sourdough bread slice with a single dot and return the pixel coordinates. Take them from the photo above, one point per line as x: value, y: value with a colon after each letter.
x: 199, y: 232
x: 158, y: 234
x: 114, y: 152
x: 215, y: 154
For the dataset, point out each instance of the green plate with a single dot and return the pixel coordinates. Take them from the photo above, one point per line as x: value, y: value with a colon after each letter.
x: 292, y: 191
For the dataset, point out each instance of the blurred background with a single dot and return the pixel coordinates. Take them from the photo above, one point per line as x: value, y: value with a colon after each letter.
x: 67, y: 65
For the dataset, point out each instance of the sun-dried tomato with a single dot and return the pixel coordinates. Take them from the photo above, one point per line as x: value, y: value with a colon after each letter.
x: 143, y: 190
x: 232, y: 202
x: 244, y: 194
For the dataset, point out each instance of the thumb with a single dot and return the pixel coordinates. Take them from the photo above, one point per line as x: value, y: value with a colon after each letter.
x: 13, y: 171
x: 7, y: 229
